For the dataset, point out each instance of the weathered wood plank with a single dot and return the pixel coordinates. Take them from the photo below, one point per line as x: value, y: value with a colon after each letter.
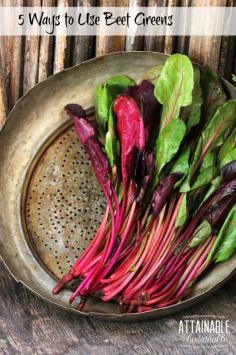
x: 45, y: 50
x: 107, y: 44
x: 135, y: 43
x: 3, y: 97
x: 227, y: 55
x: 183, y: 41
x: 31, y: 55
x: 171, y: 41
x: 83, y: 46
x: 62, y: 45
x: 15, y: 91
x: 155, y: 43
x: 206, y: 49
x: 227, y: 52
x: 166, y: 44
x: 28, y: 326
x: 12, y: 60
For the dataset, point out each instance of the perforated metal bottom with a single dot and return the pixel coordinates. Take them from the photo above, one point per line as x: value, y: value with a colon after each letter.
x: 64, y: 204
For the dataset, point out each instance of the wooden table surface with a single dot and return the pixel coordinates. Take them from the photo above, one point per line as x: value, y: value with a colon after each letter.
x: 28, y: 325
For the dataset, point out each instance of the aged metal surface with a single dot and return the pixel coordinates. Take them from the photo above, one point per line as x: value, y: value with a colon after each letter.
x: 64, y: 204
x: 35, y: 123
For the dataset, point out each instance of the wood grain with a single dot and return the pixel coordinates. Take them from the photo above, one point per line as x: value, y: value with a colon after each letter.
x: 227, y: 56
x: 108, y: 44
x: 15, y: 91
x: 45, y: 50
x: 12, y: 63
x: 166, y: 44
x: 31, y: 55
x: 3, y: 97
x: 206, y: 49
x: 12, y: 60
x: 29, y: 326
x: 183, y: 41
x: 155, y: 43
x: 83, y: 46
x: 135, y: 43
x: 170, y: 42
x: 62, y: 45
x: 227, y: 52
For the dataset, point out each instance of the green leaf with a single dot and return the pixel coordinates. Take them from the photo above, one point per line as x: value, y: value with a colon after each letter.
x: 118, y: 84
x: 120, y: 192
x: 234, y: 77
x: 228, y: 244
x: 222, y: 121
x: 212, y: 92
x: 109, y: 148
x: 102, y: 104
x: 182, y: 213
x: 208, y: 161
x: 153, y: 74
x: 202, y: 232
x: 192, y: 113
x: 185, y: 187
x: 179, y: 247
x: 182, y: 165
x: 112, y: 147
x: 168, y: 142
x: 174, y: 87
x: 105, y: 94
x: 212, y: 136
x: 227, y: 152
x: 204, y: 177
x: 225, y: 242
x: 213, y: 187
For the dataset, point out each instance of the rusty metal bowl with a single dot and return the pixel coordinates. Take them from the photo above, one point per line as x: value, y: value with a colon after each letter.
x: 50, y: 201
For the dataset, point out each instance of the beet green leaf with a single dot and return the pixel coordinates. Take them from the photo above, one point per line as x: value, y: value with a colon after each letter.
x: 225, y: 242
x: 174, y: 87
x: 168, y: 142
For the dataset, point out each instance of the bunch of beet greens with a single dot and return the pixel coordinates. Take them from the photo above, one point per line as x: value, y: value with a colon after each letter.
x: 164, y: 153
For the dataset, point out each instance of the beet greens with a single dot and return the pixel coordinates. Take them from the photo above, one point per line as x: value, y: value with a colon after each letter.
x: 164, y: 152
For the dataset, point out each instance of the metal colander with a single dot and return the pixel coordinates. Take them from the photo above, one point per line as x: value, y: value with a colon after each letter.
x: 51, y: 203
x: 64, y: 204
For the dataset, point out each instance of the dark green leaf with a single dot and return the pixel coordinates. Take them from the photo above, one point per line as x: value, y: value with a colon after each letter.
x: 182, y: 213
x: 192, y: 113
x: 212, y: 92
x: 212, y: 136
x: 225, y: 242
x: 168, y: 142
x: 234, y: 77
x: 223, y: 120
x: 202, y: 232
x: 185, y: 187
x: 204, y: 177
x: 118, y: 84
x: 174, y: 87
x: 182, y: 165
x: 213, y: 187
x: 208, y: 161
x: 227, y: 152
x: 105, y: 94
